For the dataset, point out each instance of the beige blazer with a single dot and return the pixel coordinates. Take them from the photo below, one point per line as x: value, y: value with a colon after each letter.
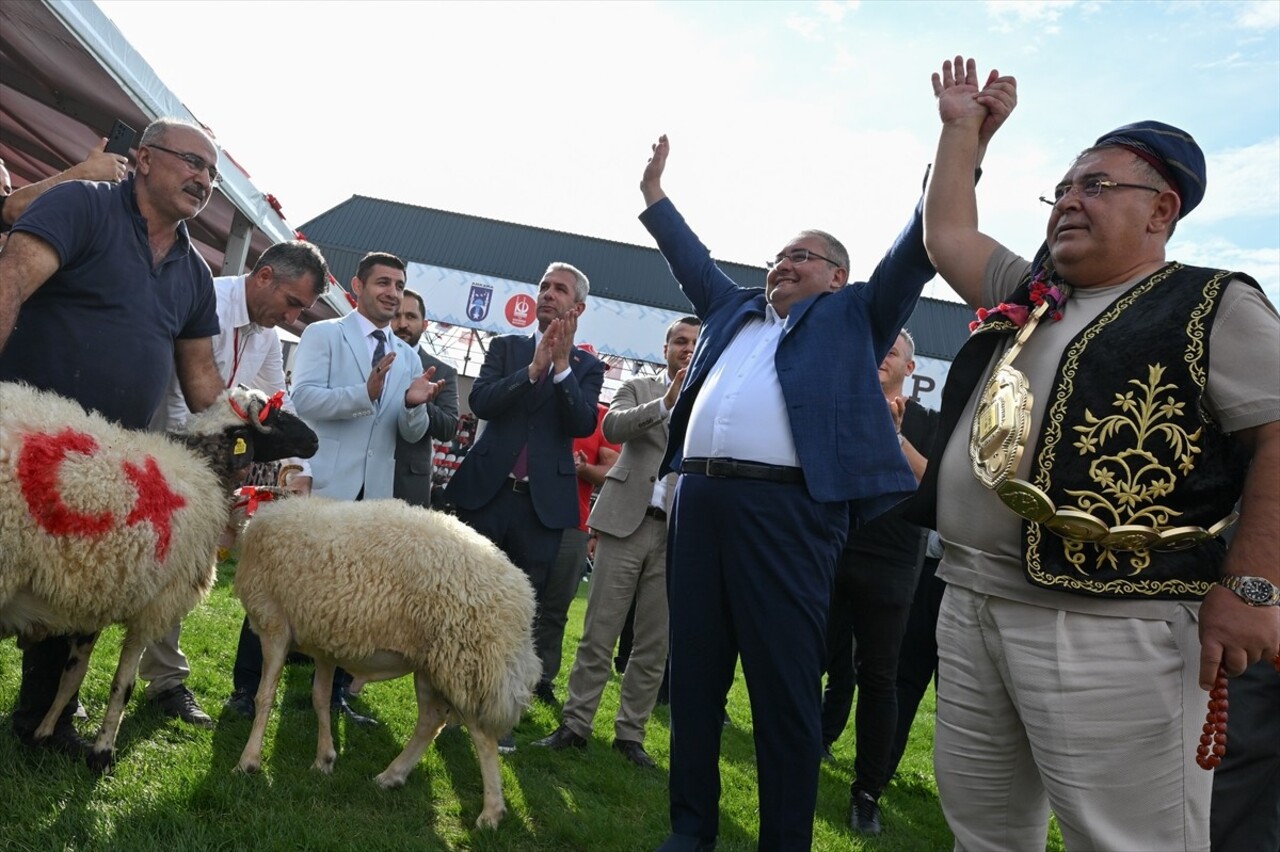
x: 634, y: 421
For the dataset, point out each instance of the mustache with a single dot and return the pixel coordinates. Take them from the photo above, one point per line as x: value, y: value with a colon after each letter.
x: 197, y: 190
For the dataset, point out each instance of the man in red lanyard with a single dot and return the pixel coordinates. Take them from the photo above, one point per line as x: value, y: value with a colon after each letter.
x: 286, y: 280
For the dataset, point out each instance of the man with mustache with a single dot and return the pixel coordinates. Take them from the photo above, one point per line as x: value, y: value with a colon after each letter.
x: 781, y: 431
x: 102, y: 295
x: 1097, y: 430
x: 518, y: 484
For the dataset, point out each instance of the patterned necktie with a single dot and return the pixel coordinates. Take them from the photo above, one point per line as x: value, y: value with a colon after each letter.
x: 379, y: 351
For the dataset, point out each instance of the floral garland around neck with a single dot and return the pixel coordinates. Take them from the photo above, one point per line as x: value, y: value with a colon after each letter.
x: 1045, y: 287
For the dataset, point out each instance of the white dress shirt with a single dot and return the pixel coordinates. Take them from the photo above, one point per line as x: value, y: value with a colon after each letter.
x: 740, y: 412
x: 246, y: 354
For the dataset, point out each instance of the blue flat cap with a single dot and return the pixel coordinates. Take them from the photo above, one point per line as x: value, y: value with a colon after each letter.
x: 1171, y: 151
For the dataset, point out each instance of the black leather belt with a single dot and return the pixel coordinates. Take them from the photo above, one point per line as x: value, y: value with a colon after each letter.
x: 656, y: 513
x: 734, y: 469
x: 520, y: 486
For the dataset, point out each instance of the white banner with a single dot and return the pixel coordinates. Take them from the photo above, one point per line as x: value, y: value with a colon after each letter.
x: 503, y: 306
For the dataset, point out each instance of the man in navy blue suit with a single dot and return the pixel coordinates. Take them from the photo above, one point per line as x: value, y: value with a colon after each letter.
x: 518, y: 484
x: 779, y: 433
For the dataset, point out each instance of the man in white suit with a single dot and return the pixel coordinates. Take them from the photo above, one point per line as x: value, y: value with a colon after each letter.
x: 630, y: 520
x: 358, y: 386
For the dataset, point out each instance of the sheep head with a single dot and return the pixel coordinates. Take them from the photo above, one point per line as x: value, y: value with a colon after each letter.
x: 245, y: 426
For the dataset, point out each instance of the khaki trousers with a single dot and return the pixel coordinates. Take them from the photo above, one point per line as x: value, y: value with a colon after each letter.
x: 163, y: 664
x: 1094, y: 717
x: 625, y: 568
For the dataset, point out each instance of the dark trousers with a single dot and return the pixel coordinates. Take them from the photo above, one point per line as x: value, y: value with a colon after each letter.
x: 246, y: 674
x: 562, y: 585
x: 864, y: 635
x: 749, y: 569
x: 918, y: 657
x: 509, y: 521
x: 42, y: 665
x: 1245, y: 814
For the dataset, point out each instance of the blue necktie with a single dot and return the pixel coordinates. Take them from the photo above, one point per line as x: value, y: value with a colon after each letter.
x: 379, y: 351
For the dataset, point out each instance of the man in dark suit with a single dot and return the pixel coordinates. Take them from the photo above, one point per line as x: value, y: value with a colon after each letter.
x: 518, y: 485
x: 780, y: 431
x: 414, y: 466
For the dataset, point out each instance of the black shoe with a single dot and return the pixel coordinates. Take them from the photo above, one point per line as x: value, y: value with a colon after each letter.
x: 864, y: 813
x: 634, y: 752
x: 544, y: 692
x: 64, y: 739
x: 507, y: 745
x: 179, y: 703
x: 339, y: 705
x: 241, y: 703
x: 827, y: 755
x: 561, y: 739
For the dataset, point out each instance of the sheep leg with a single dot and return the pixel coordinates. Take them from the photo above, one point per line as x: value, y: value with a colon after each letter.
x: 104, y: 747
x: 72, y: 676
x: 321, y: 695
x: 487, y: 751
x: 275, y: 648
x: 432, y: 710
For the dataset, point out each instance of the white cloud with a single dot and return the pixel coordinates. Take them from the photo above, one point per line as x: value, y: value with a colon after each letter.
x: 805, y: 26
x: 834, y: 11
x: 1243, y: 182
x: 1043, y: 13
x: 1219, y: 253
x: 1258, y: 15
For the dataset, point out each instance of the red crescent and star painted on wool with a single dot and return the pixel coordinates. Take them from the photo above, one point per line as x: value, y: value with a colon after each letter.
x: 38, y: 465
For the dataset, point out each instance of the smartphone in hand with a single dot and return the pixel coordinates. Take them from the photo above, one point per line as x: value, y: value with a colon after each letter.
x: 121, y: 139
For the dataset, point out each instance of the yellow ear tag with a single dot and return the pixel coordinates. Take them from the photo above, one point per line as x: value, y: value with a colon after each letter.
x: 241, y: 448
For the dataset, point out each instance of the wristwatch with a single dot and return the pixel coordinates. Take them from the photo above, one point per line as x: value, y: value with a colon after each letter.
x: 1255, y: 591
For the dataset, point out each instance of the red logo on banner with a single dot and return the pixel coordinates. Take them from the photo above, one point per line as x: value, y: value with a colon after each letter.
x: 521, y: 310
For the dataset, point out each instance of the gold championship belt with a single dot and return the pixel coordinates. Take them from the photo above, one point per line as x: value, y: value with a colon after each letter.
x: 997, y: 439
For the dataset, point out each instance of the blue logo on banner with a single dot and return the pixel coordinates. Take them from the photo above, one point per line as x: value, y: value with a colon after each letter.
x: 478, y: 301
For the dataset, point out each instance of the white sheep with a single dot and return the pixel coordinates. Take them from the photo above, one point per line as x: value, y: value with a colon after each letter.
x: 383, y: 589
x: 104, y: 525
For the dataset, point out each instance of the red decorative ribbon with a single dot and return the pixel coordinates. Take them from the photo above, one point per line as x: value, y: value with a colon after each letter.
x: 250, y: 499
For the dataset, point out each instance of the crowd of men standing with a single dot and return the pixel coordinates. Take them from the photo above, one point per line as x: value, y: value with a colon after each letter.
x: 767, y: 499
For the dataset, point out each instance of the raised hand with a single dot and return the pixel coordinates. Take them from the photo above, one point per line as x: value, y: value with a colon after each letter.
x: 651, y: 182
x: 567, y: 329
x: 99, y: 165
x: 956, y: 89
x: 999, y: 96
x: 378, y: 376
x: 542, y: 354
x: 673, y: 390
x: 423, y: 389
x: 897, y: 408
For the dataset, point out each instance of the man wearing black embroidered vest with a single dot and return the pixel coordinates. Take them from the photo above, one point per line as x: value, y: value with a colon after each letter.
x: 1097, y: 429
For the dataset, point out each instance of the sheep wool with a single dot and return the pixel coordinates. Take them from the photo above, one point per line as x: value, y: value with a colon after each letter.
x: 78, y: 493
x: 383, y: 588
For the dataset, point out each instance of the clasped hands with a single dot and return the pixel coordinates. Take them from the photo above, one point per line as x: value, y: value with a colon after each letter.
x: 554, y: 347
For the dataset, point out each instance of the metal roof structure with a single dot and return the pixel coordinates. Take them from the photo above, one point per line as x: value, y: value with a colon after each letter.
x: 66, y: 75
x: 620, y: 271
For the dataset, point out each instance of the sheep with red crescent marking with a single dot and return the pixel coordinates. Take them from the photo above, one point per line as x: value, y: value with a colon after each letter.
x: 104, y: 525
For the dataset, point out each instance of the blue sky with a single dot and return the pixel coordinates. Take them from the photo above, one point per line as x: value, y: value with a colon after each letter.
x: 782, y: 116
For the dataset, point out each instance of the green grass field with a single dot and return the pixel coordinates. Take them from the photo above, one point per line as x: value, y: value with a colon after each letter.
x: 174, y: 789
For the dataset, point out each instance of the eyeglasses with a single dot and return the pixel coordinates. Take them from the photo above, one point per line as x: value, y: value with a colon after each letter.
x: 194, y: 161
x: 799, y: 256
x: 1092, y: 188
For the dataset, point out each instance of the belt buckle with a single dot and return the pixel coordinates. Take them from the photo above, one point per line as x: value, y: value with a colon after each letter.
x: 720, y: 468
